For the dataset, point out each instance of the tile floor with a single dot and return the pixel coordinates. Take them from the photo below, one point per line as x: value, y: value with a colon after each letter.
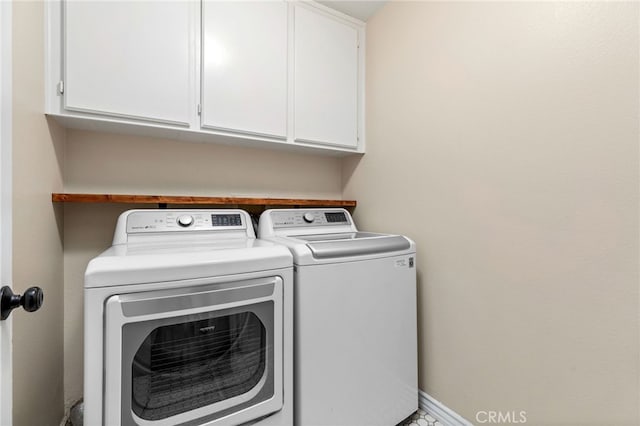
x: 420, y: 418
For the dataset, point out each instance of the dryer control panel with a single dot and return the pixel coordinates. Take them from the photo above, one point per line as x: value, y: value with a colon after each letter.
x: 182, y: 222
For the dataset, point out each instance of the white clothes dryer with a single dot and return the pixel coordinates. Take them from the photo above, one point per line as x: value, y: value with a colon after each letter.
x: 188, y: 320
x: 355, y: 325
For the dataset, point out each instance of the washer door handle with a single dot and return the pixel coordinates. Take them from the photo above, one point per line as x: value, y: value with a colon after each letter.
x: 31, y: 300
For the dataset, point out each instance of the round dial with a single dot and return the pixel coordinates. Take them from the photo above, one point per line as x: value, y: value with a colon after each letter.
x: 185, y: 220
x: 308, y: 217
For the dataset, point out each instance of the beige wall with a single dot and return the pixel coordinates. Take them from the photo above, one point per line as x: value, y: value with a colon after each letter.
x: 100, y: 162
x: 503, y: 137
x: 37, y: 229
x: 96, y: 162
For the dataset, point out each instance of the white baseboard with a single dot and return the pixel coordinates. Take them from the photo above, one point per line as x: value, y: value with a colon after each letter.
x: 439, y: 411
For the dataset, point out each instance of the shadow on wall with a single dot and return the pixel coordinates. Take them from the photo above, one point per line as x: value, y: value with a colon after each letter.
x: 349, y: 166
x: 58, y: 134
x: 125, y: 164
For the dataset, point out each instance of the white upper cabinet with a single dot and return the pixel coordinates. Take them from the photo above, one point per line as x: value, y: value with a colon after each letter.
x: 326, y: 87
x: 259, y: 73
x: 244, y: 67
x: 130, y: 59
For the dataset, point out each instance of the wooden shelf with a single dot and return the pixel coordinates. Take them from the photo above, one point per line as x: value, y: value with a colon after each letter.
x: 163, y: 200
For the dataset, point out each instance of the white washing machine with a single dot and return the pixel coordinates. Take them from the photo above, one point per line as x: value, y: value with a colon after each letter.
x: 188, y: 320
x: 355, y: 325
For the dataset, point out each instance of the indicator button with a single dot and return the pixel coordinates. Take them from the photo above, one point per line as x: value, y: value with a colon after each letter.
x: 185, y: 220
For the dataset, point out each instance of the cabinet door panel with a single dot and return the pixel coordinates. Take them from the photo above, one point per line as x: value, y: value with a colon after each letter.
x: 130, y: 59
x: 244, y: 55
x: 326, y: 79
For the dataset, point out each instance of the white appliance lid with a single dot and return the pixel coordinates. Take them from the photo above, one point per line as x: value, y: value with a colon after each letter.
x: 318, y: 235
x: 338, y: 236
x: 330, y: 246
x: 140, y: 263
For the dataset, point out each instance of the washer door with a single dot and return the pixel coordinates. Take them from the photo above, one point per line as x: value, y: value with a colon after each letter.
x: 211, y: 354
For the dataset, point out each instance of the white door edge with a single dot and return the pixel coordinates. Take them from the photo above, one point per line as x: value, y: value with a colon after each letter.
x: 6, y: 99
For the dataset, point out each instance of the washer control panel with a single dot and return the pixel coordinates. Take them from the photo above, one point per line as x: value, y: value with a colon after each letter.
x: 184, y: 221
x: 289, y: 218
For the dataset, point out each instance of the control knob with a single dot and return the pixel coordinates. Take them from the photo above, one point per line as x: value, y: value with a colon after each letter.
x: 308, y: 217
x: 185, y: 220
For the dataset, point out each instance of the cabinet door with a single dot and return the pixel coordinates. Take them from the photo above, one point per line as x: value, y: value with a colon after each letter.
x: 131, y: 59
x: 244, y: 62
x: 326, y: 79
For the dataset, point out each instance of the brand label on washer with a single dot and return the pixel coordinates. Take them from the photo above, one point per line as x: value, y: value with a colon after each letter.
x: 401, y: 263
x: 404, y: 263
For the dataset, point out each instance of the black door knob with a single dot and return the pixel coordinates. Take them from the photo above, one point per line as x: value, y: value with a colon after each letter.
x: 31, y: 300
